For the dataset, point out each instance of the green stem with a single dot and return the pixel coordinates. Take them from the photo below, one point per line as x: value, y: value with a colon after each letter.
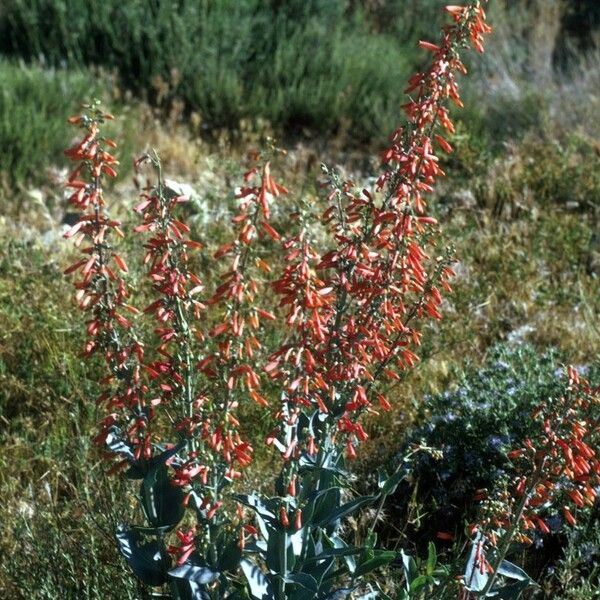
x: 509, y: 535
x: 181, y: 320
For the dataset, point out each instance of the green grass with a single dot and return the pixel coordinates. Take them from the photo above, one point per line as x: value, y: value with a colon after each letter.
x: 58, y: 511
x: 34, y: 104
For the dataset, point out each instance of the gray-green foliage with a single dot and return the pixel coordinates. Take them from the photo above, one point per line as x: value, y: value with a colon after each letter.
x: 312, y: 560
x: 34, y: 103
x: 314, y: 64
x: 475, y: 424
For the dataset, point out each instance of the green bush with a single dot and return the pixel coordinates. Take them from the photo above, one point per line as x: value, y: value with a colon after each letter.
x: 34, y: 104
x: 311, y: 64
x: 541, y: 172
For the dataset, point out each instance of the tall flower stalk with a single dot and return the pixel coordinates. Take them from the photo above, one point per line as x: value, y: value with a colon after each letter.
x: 354, y: 308
x: 187, y: 387
x: 103, y: 294
x: 353, y: 311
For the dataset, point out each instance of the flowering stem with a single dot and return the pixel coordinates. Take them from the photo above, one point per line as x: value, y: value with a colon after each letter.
x: 512, y: 530
x: 181, y: 324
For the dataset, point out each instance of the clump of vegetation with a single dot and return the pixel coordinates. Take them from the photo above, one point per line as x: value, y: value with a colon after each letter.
x: 475, y: 423
x: 227, y: 60
x: 575, y: 576
x: 32, y: 117
x: 56, y: 511
x: 352, y: 301
x: 520, y: 206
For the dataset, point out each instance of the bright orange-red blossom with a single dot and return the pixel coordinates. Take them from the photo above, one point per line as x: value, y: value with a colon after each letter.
x: 354, y: 308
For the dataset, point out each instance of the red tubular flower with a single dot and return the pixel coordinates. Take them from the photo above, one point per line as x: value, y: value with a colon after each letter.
x: 209, y: 454
x: 283, y: 517
x: 236, y: 337
x: 188, y: 545
x: 552, y: 469
x: 569, y: 516
x: 104, y: 295
x: 354, y: 308
x: 215, y: 454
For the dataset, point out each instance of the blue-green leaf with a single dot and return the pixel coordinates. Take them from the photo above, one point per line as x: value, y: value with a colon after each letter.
x: 320, y: 503
x: 260, y: 588
x: 256, y: 504
x: 188, y: 590
x: 337, y: 542
x: 388, y: 485
x: 381, y: 558
x: 303, y: 580
x: 510, y: 570
x: 347, y: 551
x: 162, y: 502
x: 165, y: 455
x: 410, y: 568
x: 258, y: 547
x: 345, y: 510
x: 144, y: 557
x: 116, y: 443
x: 194, y: 573
x: 280, y: 556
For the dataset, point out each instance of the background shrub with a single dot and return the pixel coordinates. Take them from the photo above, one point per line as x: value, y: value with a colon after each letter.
x: 576, y: 576
x: 306, y: 67
x: 312, y: 64
x: 32, y: 116
x: 322, y: 64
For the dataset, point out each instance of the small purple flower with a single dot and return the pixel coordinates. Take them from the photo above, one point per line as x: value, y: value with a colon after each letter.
x: 554, y: 523
x: 495, y: 442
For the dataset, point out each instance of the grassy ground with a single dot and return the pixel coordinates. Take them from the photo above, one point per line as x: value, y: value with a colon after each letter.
x: 521, y: 207
x: 526, y: 272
